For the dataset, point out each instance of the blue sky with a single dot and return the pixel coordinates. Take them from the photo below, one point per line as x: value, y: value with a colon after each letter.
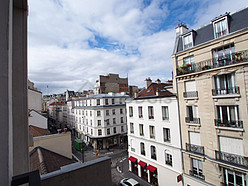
x: 74, y: 41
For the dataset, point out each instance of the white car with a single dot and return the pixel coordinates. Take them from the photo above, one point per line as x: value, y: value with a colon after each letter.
x: 129, y: 182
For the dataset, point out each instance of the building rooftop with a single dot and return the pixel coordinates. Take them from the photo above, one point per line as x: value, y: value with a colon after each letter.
x: 236, y: 22
x: 47, y: 161
x: 37, y: 131
x: 109, y: 95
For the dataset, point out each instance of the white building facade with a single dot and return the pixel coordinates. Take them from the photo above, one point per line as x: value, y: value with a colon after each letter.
x: 154, y: 138
x: 99, y: 119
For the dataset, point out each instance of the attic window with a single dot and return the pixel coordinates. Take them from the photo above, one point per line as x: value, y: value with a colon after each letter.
x: 220, y: 27
x: 148, y: 91
x: 188, y: 41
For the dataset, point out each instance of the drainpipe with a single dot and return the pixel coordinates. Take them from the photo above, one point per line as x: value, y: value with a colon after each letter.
x: 179, y: 118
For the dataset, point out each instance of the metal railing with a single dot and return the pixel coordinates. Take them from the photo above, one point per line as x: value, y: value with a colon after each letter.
x: 195, y: 148
x: 190, y: 94
x: 221, y: 33
x: 192, y: 120
x: 228, y: 59
x: 195, y: 174
x: 233, y: 123
x: 231, y: 90
x: 232, y: 158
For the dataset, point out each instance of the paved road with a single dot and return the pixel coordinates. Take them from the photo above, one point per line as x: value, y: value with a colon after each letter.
x: 119, y: 158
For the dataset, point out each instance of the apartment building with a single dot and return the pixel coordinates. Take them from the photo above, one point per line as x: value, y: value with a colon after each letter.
x: 99, y: 119
x: 210, y: 67
x: 154, y: 135
x: 111, y: 82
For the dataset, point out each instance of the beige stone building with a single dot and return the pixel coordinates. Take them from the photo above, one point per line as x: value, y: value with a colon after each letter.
x: 210, y: 67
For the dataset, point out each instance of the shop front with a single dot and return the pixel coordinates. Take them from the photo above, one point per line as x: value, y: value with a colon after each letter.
x: 153, y: 174
x: 134, y: 164
x: 143, y: 168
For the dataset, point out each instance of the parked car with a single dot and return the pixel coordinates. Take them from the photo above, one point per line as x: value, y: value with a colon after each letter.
x: 129, y: 182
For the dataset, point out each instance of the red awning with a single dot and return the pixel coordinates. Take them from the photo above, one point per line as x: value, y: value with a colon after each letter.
x: 151, y: 168
x: 132, y: 159
x: 142, y: 164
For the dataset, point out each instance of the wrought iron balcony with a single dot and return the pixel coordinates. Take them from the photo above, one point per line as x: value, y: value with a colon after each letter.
x: 192, y: 120
x: 233, y: 124
x: 196, y: 174
x: 232, y: 158
x: 231, y: 90
x: 234, y: 58
x: 195, y: 148
x: 190, y: 94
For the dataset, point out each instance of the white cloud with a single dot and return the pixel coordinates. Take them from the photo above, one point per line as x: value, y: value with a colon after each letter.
x: 59, y: 32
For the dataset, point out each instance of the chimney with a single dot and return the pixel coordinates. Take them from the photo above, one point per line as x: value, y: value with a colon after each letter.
x: 148, y: 81
x: 181, y: 29
x: 158, y: 81
x: 157, y: 92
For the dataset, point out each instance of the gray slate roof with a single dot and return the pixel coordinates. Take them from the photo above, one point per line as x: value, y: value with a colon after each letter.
x: 237, y: 21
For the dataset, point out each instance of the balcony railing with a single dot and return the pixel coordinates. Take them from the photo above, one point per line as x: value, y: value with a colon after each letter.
x: 190, y: 94
x: 192, y: 120
x: 234, y: 58
x: 196, y: 174
x: 232, y: 158
x: 221, y: 33
x: 231, y: 90
x: 195, y: 148
x: 232, y: 124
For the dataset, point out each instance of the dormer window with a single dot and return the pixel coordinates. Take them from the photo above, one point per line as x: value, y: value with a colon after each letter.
x: 220, y: 27
x: 188, y: 41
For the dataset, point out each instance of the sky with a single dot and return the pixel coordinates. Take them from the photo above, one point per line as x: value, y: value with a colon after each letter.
x: 72, y: 42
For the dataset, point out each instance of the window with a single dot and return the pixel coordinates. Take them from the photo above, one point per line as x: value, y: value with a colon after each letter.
x: 234, y: 178
x: 153, y: 152
x: 91, y: 122
x: 152, y: 132
x: 150, y: 112
x: 122, y: 121
x: 140, y: 112
x: 189, y: 63
x: 225, y: 84
x: 142, y: 149
x: 192, y: 115
x: 113, y: 101
x: 228, y: 116
x: 165, y: 113
x: 130, y: 111
x: 168, y: 159
x: 114, y: 130
x: 107, y: 121
x: 120, y: 100
x: 87, y: 130
x: 98, y: 113
x: 131, y: 128
x: 114, y: 121
x: 99, y: 132
x: 107, y: 112
x: 98, y: 102
x: 108, y: 131
x: 90, y: 113
x: 91, y: 131
x: 86, y: 121
x: 197, y: 168
x: 223, y: 55
x: 141, y: 128
x: 113, y: 111
x: 122, y: 128
x: 220, y: 27
x: 167, y: 136
x: 188, y: 41
x: 121, y: 111
x: 99, y: 122
x: 86, y: 113
x: 90, y: 102
x: 106, y: 102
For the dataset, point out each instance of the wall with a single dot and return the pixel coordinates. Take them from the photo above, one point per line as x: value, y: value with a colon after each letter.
x: 34, y: 100
x: 37, y: 120
x: 81, y: 174
x: 59, y: 143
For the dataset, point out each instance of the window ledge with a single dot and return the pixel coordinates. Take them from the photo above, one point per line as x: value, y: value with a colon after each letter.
x: 193, y: 124
x: 226, y: 96
x: 230, y: 128
x: 191, y: 98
